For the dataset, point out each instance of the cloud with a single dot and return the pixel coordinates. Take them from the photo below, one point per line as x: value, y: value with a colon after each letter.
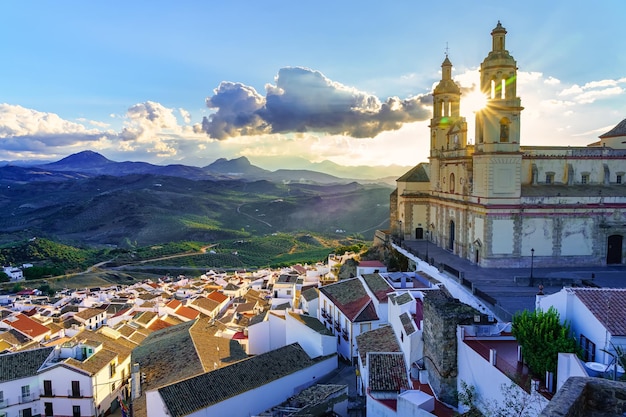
x: 26, y: 132
x: 150, y: 125
x: 303, y: 100
x: 593, y: 90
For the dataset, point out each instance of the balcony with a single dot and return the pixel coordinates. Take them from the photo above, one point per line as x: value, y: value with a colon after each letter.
x: 344, y: 334
x: 324, y: 313
x: 337, y: 326
x: 27, y: 398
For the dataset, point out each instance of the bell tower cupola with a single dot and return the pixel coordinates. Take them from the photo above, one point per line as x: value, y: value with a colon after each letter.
x: 448, y: 128
x: 498, y: 123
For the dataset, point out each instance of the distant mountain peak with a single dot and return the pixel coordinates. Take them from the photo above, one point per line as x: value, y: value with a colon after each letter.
x: 82, y: 160
x: 238, y: 166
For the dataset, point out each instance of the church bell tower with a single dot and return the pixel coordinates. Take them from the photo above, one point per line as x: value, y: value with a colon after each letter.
x: 497, y: 160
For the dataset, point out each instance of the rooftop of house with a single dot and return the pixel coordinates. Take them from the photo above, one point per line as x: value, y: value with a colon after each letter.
x: 310, y: 294
x: 217, y: 297
x: 378, y: 286
x: 351, y: 299
x: 387, y: 372
x: 372, y: 264
x: 22, y: 364
x: 26, y: 325
x: 311, y: 322
x: 382, y: 339
x: 608, y: 305
x: 205, y: 303
x: 193, y: 394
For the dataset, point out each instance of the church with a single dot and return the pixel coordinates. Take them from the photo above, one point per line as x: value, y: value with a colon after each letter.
x: 497, y: 203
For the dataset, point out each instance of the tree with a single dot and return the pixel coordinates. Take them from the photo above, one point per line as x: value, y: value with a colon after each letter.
x: 542, y: 336
x: 4, y: 277
x: 516, y: 402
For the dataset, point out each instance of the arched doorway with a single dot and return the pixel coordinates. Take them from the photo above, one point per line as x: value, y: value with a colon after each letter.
x: 614, y: 249
x: 451, y: 240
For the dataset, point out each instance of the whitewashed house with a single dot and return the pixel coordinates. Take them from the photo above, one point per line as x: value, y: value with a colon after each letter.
x: 247, y: 387
x: 349, y: 308
x: 14, y: 273
x: 19, y: 383
x: 597, y: 320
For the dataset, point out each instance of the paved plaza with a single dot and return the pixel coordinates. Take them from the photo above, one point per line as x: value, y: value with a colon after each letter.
x: 511, y: 287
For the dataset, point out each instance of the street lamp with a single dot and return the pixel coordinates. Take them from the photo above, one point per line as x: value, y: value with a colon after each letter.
x: 427, y: 231
x: 532, y: 259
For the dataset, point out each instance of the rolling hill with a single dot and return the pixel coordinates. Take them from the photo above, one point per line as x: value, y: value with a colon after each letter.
x: 82, y: 207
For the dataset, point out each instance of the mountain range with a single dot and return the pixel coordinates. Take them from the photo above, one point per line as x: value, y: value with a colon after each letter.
x: 90, y: 164
x: 88, y: 199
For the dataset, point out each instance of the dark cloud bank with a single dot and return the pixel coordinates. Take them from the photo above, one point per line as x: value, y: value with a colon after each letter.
x: 304, y: 100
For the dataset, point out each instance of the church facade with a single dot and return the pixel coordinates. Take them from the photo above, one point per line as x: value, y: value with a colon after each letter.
x: 500, y: 204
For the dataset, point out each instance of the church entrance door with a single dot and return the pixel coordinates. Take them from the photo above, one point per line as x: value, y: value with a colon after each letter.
x: 451, y: 242
x: 419, y: 233
x: 614, y: 249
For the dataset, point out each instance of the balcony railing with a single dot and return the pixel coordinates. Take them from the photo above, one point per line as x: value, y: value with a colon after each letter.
x: 27, y: 398
x: 344, y: 334
x: 337, y: 326
x: 324, y: 313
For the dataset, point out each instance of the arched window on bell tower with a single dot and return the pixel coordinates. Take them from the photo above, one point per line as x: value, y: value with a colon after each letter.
x: 493, y: 89
x: 504, y: 129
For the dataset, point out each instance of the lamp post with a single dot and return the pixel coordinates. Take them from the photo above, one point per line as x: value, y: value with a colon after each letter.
x: 427, y: 245
x: 532, y: 259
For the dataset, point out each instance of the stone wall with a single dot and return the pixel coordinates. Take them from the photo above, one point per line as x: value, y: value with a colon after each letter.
x: 580, y: 397
x: 442, y: 315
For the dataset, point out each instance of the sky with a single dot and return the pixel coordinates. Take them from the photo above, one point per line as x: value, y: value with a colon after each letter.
x: 280, y: 82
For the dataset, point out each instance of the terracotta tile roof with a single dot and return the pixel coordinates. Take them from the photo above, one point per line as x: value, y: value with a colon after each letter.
x: 608, y: 305
x: 245, y: 307
x: 126, y: 330
x: 387, y: 372
x: 378, y: 286
x: 95, y: 362
x: 26, y: 325
x: 22, y: 364
x: 187, y: 312
x: 348, y: 295
x: 382, y: 339
x: 204, y: 303
x: 111, y: 348
x: 13, y: 337
x: 174, y: 304
x: 145, y: 317
x: 88, y: 313
x: 159, y: 324
x: 173, y: 320
x: 372, y: 264
x: 217, y: 296
x: 202, y: 391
